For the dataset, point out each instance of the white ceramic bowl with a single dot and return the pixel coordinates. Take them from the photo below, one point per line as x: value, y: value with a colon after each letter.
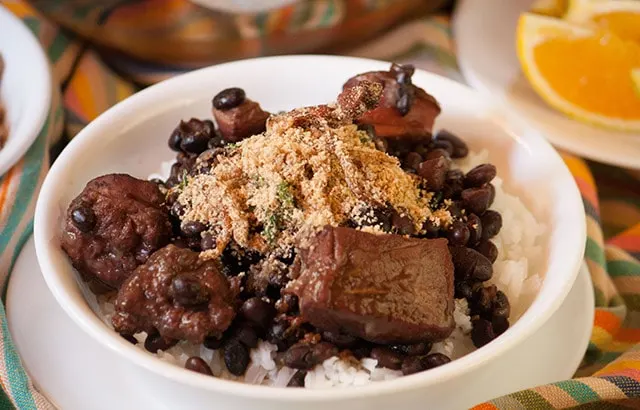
x: 26, y: 87
x: 131, y: 138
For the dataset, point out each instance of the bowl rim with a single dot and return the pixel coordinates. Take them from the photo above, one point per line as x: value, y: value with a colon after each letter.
x: 18, y: 142
x: 530, y: 321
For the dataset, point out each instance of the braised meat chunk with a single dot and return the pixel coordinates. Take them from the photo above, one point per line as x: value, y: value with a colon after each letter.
x: 112, y: 227
x: 405, y: 111
x: 177, y: 295
x: 383, y: 288
x: 237, y: 116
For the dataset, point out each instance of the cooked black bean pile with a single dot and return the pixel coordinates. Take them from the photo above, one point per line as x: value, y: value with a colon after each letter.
x: 266, y: 314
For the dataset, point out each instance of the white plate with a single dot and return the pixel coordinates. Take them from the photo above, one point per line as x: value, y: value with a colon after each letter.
x: 25, y: 89
x: 76, y: 373
x: 485, y: 37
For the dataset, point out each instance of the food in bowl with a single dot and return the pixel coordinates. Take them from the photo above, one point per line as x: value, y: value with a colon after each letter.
x: 333, y: 245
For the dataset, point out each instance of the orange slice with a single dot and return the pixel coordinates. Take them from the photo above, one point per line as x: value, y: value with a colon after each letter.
x: 583, y: 72
x: 621, y: 17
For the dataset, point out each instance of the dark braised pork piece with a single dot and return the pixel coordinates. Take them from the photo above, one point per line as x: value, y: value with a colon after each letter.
x: 405, y: 111
x: 237, y: 116
x: 382, y: 288
x: 178, y: 295
x: 113, y: 226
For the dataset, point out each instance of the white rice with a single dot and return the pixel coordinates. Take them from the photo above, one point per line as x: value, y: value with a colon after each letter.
x: 515, y: 273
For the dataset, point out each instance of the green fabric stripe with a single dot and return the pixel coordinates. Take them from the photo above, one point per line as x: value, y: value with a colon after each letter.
x: 18, y: 380
x: 58, y: 47
x: 531, y: 400
x: 5, y: 402
x: 600, y: 299
x: 33, y: 24
x: 620, y: 268
x: 27, y: 185
x: 579, y: 391
x: 595, y: 252
x: 23, y: 238
x: 328, y: 14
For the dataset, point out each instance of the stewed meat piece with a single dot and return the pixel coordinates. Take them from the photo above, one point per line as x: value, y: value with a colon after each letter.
x: 237, y: 116
x: 405, y: 111
x: 113, y: 226
x: 386, y: 289
x: 177, y: 294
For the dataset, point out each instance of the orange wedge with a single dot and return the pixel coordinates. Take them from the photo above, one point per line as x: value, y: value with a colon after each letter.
x: 583, y: 72
x: 620, y: 17
x: 553, y: 8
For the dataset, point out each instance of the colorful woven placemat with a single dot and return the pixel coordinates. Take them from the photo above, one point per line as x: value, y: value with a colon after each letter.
x: 610, y: 375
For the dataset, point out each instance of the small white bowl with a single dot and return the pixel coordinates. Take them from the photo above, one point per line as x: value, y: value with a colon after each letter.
x: 131, y: 138
x: 25, y: 88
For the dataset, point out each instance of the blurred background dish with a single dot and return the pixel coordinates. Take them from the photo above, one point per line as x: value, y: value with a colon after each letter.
x: 183, y: 33
x: 497, y: 72
x: 25, y: 88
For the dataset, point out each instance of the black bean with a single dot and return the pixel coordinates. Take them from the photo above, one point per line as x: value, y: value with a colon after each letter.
x: 413, y: 364
x: 281, y: 334
x: 476, y: 200
x: 213, y: 343
x: 458, y: 233
x: 298, y: 379
x: 435, y: 360
x: 387, y: 358
x: 437, y: 153
x: 412, y: 160
x: 83, y: 218
x: 500, y: 325
x: 216, y: 141
x: 193, y: 228
x: 445, y: 145
x: 460, y: 149
x: 175, y: 139
x: 195, y: 136
x: 455, y: 209
x: 405, y: 69
x: 258, y: 312
x: 482, y: 300
x: 246, y: 335
x: 482, y: 332
x: 236, y: 357
x: 453, y: 184
x: 340, y: 339
x: 322, y: 351
x: 196, y: 364
x: 475, y: 229
x: 208, y: 242
x: 434, y: 172
x: 229, y: 98
x: 501, y: 306
x: 430, y: 229
x: 463, y: 290
x: 480, y: 175
x: 155, y: 342
x: 417, y: 349
x: 177, y: 209
x: 186, y: 290
x: 298, y: 357
x: 488, y: 249
x: 492, y: 189
x: 470, y: 264
x: 288, y: 303
x: 129, y: 338
x: 405, y: 100
x: 491, y: 224
x: 402, y: 224
x: 361, y: 351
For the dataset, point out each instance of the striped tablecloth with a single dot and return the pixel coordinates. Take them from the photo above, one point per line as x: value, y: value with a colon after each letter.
x: 609, y: 377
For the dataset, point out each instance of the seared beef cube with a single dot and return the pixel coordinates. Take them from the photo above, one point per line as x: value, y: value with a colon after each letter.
x: 112, y: 227
x: 179, y: 295
x: 242, y: 121
x: 397, y: 117
x: 382, y: 288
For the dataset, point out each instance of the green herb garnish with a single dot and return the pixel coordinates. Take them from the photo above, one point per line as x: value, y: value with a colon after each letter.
x: 285, y: 196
